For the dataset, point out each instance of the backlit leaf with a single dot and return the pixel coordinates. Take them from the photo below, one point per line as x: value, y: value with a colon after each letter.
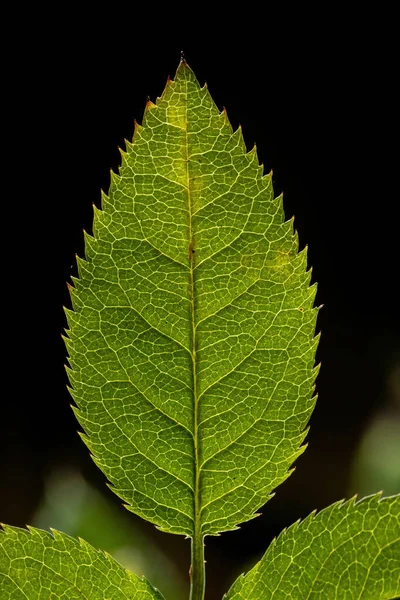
x: 36, y: 565
x: 348, y: 551
x: 191, y: 341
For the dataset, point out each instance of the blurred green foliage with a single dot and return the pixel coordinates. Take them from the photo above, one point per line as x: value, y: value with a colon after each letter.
x: 71, y: 505
x: 376, y: 466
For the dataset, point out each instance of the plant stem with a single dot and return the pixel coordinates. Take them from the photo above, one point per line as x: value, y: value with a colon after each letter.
x: 197, y: 569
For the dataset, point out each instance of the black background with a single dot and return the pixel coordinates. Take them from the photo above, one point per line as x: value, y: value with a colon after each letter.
x: 321, y: 103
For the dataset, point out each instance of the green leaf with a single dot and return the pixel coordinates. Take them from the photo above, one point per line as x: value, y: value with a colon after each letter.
x: 37, y: 565
x: 192, y: 342
x: 348, y: 551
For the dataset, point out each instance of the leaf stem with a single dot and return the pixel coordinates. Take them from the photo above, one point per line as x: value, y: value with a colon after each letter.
x: 197, y: 569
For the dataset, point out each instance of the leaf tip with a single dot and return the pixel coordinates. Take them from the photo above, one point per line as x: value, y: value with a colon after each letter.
x: 253, y: 149
x: 149, y: 104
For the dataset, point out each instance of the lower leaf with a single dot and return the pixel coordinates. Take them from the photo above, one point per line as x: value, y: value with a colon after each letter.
x: 348, y: 551
x: 37, y: 565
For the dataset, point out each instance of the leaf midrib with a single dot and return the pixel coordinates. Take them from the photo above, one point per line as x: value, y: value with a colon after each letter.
x: 191, y: 257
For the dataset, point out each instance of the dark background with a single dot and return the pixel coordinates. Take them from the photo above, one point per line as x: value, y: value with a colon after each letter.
x: 322, y: 105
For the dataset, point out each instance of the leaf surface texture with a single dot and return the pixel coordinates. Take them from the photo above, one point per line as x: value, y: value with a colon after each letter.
x: 348, y: 551
x: 35, y: 565
x: 191, y: 341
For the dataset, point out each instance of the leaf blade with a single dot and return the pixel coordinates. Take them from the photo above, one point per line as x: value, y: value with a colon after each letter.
x: 347, y: 551
x: 191, y: 344
x: 38, y: 565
